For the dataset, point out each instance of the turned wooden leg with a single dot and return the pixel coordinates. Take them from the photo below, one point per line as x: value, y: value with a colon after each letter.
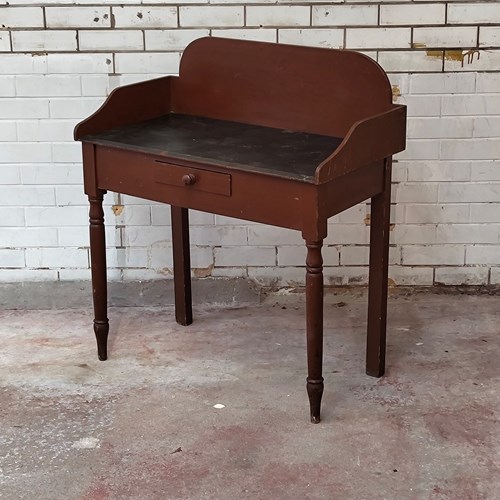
x: 98, y: 267
x: 314, y: 327
x: 377, y: 290
x: 182, y: 266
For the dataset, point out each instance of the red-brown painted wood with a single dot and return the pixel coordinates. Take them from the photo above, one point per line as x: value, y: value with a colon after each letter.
x: 369, y: 140
x: 307, y: 89
x: 297, y: 200
x: 182, y: 266
x: 129, y: 104
x: 198, y: 179
x: 98, y: 267
x: 282, y: 135
x: 314, y: 327
x: 377, y: 289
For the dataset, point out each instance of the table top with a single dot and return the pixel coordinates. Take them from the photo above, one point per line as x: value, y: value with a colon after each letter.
x: 294, y: 155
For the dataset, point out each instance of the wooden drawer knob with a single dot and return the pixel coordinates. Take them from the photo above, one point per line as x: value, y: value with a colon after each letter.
x: 189, y: 179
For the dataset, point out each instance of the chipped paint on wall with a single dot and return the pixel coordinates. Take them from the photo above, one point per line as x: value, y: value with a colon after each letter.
x: 203, y: 272
x: 470, y: 55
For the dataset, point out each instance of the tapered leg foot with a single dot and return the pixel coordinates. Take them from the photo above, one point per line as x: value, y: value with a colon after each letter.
x: 314, y: 327
x: 315, y: 393
x: 98, y: 266
x: 376, y: 371
x: 101, y: 329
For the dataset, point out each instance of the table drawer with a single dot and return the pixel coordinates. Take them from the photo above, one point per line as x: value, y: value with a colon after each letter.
x: 192, y: 179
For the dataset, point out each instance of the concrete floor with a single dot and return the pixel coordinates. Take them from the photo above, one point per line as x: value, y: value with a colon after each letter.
x: 143, y: 424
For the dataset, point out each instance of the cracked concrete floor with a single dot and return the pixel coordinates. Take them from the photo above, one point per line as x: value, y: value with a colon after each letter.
x: 142, y: 425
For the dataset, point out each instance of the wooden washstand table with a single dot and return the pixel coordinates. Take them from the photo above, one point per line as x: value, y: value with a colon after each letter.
x: 276, y: 134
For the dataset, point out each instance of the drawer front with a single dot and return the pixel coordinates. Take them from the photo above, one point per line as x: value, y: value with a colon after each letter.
x: 192, y: 179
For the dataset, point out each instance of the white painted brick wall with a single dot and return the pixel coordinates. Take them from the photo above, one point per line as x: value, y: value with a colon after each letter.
x: 283, y: 15
x: 24, y: 108
x: 321, y: 37
x: 38, y: 41
x: 344, y: 15
x: 144, y: 17
x: 253, y: 256
x: 211, y: 16
x: 418, y: 255
x: 489, y: 36
x: 164, y: 62
x: 383, y: 38
x: 111, y: 40
x: 21, y: 17
x: 77, y: 17
x: 406, y: 61
x: 445, y: 37
x: 173, y: 39
x: 4, y: 41
x: 257, y: 34
x: 56, y: 257
x: 48, y: 85
x: 59, y: 61
x: 444, y: 83
x: 474, y: 13
x: 413, y: 15
x: 78, y: 63
x: 461, y: 276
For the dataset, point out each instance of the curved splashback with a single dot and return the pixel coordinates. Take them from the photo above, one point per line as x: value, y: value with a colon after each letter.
x: 316, y: 90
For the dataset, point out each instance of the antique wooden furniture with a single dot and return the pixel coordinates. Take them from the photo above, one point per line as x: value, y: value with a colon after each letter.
x: 277, y: 134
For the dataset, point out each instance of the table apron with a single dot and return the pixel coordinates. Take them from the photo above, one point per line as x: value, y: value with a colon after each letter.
x: 242, y: 195
x: 248, y: 196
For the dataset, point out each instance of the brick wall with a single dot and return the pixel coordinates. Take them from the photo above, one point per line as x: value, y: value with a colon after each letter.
x: 59, y: 60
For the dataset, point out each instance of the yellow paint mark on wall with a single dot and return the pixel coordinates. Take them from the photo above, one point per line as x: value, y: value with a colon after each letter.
x: 396, y: 92
x: 417, y: 45
x: 459, y: 55
x: 117, y: 209
x: 454, y: 55
x: 434, y: 53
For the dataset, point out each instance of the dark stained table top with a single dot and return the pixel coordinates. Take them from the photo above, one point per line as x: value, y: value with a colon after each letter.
x: 235, y: 145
